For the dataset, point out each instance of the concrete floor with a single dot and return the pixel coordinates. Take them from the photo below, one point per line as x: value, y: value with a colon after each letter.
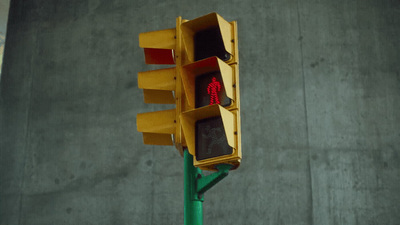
x: 320, y: 92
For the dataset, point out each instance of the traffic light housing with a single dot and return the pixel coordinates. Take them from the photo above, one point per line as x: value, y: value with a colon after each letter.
x: 208, y: 36
x: 213, y: 136
x: 158, y: 87
x: 204, y: 86
x: 198, y: 83
x: 211, y: 85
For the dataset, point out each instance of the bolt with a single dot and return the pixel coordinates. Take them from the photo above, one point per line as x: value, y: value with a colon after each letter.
x: 226, y: 56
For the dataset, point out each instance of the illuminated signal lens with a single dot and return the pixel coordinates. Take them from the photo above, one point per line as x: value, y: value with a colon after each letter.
x: 211, y: 139
x: 210, y: 90
x: 208, y: 43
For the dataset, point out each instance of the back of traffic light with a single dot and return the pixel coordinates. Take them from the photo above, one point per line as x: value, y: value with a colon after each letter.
x: 158, y: 87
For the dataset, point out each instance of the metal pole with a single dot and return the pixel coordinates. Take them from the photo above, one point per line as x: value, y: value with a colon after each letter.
x: 193, y: 209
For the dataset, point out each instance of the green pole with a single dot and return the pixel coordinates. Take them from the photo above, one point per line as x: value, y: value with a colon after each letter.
x: 193, y: 209
x: 196, y: 185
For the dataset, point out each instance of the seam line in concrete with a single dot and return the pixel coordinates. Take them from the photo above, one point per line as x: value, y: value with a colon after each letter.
x: 305, y: 113
x: 27, y: 133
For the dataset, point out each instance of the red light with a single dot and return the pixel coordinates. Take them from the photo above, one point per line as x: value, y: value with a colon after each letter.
x: 213, y: 88
x: 210, y: 90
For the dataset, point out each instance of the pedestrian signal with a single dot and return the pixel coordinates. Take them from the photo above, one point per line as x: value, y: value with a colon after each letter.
x: 210, y: 81
x: 210, y: 90
x: 212, y: 136
x: 211, y: 139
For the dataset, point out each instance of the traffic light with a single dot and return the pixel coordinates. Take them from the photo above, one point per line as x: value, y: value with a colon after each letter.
x: 203, y: 85
x: 211, y: 84
x: 210, y: 81
x: 208, y: 36
x: 213, y: 136
x: 158, y: 87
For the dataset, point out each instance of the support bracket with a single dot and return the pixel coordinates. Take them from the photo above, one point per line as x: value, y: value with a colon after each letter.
x: 203, y: 184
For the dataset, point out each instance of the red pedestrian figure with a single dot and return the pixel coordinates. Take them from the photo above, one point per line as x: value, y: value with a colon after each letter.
x: 213, y: 88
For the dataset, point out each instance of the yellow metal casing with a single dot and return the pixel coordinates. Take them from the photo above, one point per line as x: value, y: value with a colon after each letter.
x: 163, y: 86
x: 158, y: 97
x: 158, y: 85
x: 158, y: 46
x: 176, y: 85
x: 212, y: 20
x: 212, y: 64
x: 157, y: 139
x: 231, y: 128
x: 230, y: 75
x: 160, y: 39
x: 157, y: 127
x: 162, y: 79
x: 179, y: 95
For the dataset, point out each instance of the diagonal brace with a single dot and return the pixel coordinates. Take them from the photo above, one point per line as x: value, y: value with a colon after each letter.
x: 207, y: 182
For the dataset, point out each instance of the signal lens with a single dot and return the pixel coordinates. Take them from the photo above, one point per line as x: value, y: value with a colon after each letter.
x: 210, y: 90
x: 211, y: 139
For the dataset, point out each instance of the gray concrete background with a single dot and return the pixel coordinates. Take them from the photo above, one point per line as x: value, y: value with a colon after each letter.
x: 320, y: 90
x: 4, y: 6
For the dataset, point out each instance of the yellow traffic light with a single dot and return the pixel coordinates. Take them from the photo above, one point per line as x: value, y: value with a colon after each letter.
x: 208, y: 36
x: 157, y: 127
x: 203, y: 85
x: 198, y: 79
x: 158, y: 46
x: 213, y: 136
x: 158, y: 87
x: 211, y: 126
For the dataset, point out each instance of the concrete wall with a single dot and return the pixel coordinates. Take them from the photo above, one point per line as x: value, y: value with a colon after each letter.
x: 4, y: 6
x: 320, y: 90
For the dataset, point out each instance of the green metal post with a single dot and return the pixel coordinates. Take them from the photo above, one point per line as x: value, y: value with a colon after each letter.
x: 193, y: 209
x: 196, y: 185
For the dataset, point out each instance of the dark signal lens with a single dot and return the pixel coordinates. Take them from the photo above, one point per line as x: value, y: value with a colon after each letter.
x: 210, y: 90
x: 211, y: 139
x: 208, y: 43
